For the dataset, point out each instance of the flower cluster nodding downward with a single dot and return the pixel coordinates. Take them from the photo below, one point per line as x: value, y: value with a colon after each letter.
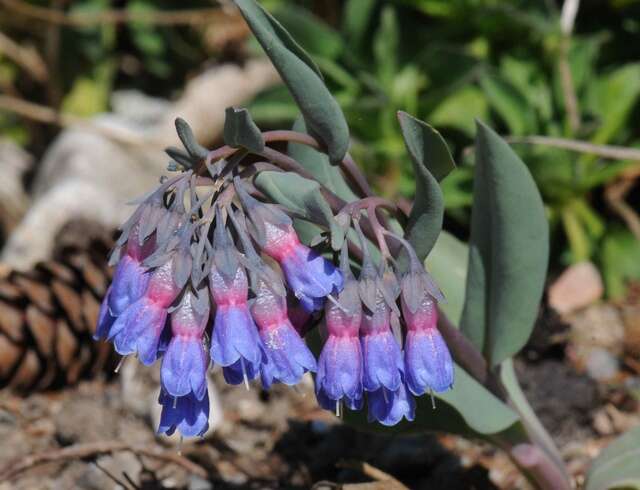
x: 210, y: 273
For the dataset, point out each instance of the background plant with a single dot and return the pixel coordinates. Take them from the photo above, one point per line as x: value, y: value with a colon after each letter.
x: 512, y: 64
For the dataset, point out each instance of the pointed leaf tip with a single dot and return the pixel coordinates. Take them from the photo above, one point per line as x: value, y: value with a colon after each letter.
x: 321, y: 112
x: 431, y: 163
x: 508, y: 250
x: 241, y: 131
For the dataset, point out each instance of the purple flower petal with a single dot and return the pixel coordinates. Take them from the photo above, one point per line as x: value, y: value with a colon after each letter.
x: 428, y: 363
x: 389, y: 407
x: 184, y: 367
x: 288, y: 357
x: 340, y: 369
x: 130, y: 281
x: 236, y: 372
x: 187, y: 414
x: 310, y: 276
x: 105, y: 319
x: 138, y: 330
x: 382, y: 361
x: 330, y: 404
x: 234, y: 336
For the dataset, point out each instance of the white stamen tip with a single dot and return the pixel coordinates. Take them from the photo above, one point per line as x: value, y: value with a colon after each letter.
x: 244, y: 375
x: 120, y: 363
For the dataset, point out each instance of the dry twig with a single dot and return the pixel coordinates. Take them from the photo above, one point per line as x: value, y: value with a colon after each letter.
x: 390, y: 483
x: 27, y: 58
x: 604, y: 151
x: 47, y: 115
x: 615, y: 194
x: 84, y: 19
x: 567, y: 22
x: 92, y: 450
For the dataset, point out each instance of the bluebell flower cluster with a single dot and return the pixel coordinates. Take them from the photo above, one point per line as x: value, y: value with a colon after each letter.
x: 222, y: 278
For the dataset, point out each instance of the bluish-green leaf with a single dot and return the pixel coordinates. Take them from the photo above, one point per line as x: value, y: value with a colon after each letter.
x: 188, y: 139
x: 301, y: 196
x: 447, y: 264
x: 241, y: 131
x: 317, y: 163
x: 508, y: 251
x: 468, y: 409
x: 431, y: 163
x: 617, y: 466
x: 321, y: 112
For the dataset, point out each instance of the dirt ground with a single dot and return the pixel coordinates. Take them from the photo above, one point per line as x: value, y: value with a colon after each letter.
x: 99, y: 435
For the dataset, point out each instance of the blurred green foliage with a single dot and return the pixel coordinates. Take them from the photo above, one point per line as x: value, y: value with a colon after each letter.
x: 445, y: 61
x: 86, y: 61
x: 451, y: 61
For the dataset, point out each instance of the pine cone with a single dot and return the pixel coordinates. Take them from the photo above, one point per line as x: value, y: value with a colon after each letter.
x: 47, y: 319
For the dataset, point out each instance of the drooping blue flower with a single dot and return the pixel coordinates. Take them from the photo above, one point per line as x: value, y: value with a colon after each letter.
x: 188, y: 414
x: 428, y: 363
x: 184, y: 366
x: 287, y: 356
x: 381, y: 352
x: 130, y: 282
x: 308, y: 274
x: 390, y: 407
x: 235, y: 343
x: 339, y: 375
x: 138, y: 329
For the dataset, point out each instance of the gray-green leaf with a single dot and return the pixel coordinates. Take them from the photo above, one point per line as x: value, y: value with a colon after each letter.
x: 617, y: 466
x: 318, y: 165
x: 468, y: 409
x: 321, y: 112
x: 303, y: 197
x: 241, y: 131
x: 431, y: 163
x: 508, y: 251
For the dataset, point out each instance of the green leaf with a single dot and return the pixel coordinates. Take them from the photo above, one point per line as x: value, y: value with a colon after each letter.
x: 617, y: 466
x: 318, y: 165
x: 620, y: 257
x: 431, y: 163
x: 301, y: 196
x: 357, y: 17
x: 241, y: 131
x: 188, y: 139
x: 460, y: 109
x: 321, y: 112
x: 90, y: 95
x: 616, y: 96
x: 385, y: 47
x: 311, y: 32
x: 508, y: 251
x: 447, y: 264
x: 509, y: 103
x: 467, y: 409
x: 519, y: 401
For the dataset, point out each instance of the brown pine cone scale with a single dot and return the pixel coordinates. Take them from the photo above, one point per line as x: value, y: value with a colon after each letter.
x: 47, y: 319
